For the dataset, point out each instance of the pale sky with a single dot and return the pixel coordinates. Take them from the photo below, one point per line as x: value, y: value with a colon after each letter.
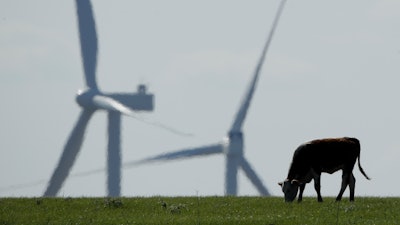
x: 332, y: 70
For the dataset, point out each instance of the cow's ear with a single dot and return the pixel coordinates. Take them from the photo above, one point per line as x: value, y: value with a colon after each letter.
x: 280, y: 184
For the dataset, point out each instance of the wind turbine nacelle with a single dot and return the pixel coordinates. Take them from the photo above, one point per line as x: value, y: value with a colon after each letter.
x: 235, y: 146
x: 141, y: 100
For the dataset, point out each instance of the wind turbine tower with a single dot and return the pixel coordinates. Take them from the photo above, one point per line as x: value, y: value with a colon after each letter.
x: 92, y: 99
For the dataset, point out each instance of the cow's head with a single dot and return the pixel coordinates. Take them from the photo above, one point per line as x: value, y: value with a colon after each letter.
x: 290, y: 189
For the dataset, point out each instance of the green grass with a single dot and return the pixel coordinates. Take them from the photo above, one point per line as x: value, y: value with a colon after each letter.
x: 195, y: 210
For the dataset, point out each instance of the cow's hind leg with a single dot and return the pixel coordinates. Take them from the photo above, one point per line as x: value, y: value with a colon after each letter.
x: 345, y: 182
x: 352, y: 184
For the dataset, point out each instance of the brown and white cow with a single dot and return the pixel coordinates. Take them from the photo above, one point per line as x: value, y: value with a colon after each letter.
x: 323, y: 155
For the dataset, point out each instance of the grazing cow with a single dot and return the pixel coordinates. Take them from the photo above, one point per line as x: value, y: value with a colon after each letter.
x: 323, y: 155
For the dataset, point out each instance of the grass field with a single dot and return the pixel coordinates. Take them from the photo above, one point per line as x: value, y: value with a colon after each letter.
x: 198, y: 210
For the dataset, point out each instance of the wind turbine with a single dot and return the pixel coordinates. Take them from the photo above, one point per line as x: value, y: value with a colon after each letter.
x: 93, y: 99
x: 232, y: 146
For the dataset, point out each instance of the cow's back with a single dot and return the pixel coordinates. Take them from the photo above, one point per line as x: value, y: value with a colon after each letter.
x: 330, y: 155
x: 325, y: 155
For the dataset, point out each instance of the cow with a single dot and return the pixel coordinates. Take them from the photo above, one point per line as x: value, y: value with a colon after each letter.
x: 322, y: 155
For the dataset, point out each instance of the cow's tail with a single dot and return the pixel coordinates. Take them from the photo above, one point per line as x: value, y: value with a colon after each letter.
x: 361, y: 169
x: 359, y: 163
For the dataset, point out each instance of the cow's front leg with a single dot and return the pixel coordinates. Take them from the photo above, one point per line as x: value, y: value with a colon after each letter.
x: 345, y: 182
x: 302, y: 186
x: 317, y: 186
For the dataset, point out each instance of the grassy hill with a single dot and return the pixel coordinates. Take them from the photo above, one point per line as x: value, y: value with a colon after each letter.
x: 198, y: 210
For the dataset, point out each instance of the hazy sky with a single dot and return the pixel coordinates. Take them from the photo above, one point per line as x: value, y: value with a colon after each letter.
x: 332, y: 70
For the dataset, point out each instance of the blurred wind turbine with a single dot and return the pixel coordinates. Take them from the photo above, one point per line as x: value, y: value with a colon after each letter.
x: 93, y: 99
x: 232, y: 146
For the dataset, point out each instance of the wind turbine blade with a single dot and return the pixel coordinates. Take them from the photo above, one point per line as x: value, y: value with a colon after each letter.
x: 107, y: 103
x: 88, y: 39
x: 187, y: 153
x: 69, y: 154
x: 241, y: 114
x: 251, y: 174
x: 201, y: 151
